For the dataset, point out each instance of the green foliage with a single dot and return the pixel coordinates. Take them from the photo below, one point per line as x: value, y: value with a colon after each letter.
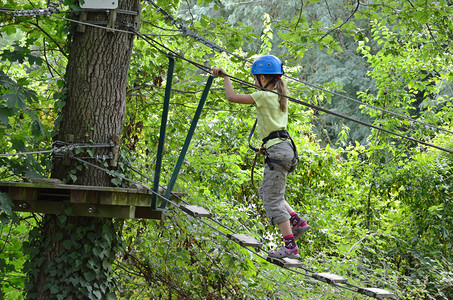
x: 380, y: 208
x: 7, y: 214
x: 10, y: 257
x: 91, y: 248
x: 25, y: 110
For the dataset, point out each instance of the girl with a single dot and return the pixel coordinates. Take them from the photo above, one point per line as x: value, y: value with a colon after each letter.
x: 280, y: 152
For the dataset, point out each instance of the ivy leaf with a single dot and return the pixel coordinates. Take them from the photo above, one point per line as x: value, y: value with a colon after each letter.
x: 97, y: 294
x: 111, y: 296
x: 116, y: 181
x: 89, y: 275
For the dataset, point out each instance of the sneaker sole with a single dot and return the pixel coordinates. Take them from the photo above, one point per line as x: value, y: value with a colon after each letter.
x: 302, y: 231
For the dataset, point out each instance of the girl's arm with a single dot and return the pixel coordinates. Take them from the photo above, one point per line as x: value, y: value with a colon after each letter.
x: 229, y: 91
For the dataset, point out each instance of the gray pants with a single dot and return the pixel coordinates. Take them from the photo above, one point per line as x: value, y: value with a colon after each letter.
x: 272, y: 189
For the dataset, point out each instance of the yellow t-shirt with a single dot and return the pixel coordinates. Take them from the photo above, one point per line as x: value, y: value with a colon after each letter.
x: 269, y: 115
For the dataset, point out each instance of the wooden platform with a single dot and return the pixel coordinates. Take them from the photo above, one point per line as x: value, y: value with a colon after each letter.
x: 52, y: 197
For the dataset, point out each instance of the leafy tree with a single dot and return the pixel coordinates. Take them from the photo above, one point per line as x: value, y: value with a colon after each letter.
x: 72, y: 256
x: 379, y: 206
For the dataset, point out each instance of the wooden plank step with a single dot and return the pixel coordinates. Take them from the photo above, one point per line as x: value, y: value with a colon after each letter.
x: 195, y: 211
x: 329, y: 278
x: 285, y: 262
x: 244, y: 240
x: 376, y: 293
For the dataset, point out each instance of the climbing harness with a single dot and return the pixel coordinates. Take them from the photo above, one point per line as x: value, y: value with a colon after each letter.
x: 280, y: 134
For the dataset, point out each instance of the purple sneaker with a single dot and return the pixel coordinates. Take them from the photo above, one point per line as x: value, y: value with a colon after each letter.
x: 300, y: 229
x: 285, y: 252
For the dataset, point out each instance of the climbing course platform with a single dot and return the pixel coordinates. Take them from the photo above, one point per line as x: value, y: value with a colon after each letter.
x: 49, y: 196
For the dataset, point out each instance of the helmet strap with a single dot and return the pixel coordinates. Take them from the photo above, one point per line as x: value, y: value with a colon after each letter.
x: 273, y: 80
x: 259, y: 81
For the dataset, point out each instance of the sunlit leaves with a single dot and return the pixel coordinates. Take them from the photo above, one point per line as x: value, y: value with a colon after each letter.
x: 361, y: 198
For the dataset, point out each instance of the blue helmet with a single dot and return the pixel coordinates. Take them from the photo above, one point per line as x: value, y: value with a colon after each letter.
x: 267, y: 64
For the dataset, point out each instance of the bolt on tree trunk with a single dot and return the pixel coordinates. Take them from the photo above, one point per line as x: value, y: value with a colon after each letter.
x: 71, y: 257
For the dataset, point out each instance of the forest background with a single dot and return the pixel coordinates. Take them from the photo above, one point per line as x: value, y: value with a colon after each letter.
x: 380, y: 206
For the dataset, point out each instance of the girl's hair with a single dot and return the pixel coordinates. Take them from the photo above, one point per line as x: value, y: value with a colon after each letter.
x: 277, y: 83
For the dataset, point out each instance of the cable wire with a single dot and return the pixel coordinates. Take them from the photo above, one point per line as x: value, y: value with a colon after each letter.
x: 25, y: 153
x: 312, y: 106
x: 184, y: 29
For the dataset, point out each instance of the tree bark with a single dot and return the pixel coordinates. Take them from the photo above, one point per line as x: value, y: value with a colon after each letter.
x: 71, y: 257
x: 96, y: 82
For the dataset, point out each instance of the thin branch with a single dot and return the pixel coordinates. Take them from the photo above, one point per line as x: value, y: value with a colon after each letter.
x: 300, y: 13
x: 7, y: 238
x: 49, y: 66
x: 328, y: 9
x: 347, y: 20
x: 51, y: 38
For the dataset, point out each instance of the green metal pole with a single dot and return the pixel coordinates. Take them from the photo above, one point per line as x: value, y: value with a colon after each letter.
x: 163, y: 126
x: 188, y: 139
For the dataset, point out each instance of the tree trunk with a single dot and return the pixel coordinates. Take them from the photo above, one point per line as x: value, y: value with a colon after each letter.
x: 71, y: 257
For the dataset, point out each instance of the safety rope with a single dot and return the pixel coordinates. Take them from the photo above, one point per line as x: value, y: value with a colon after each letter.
x: 150, y: 41
x: 183, y: 28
